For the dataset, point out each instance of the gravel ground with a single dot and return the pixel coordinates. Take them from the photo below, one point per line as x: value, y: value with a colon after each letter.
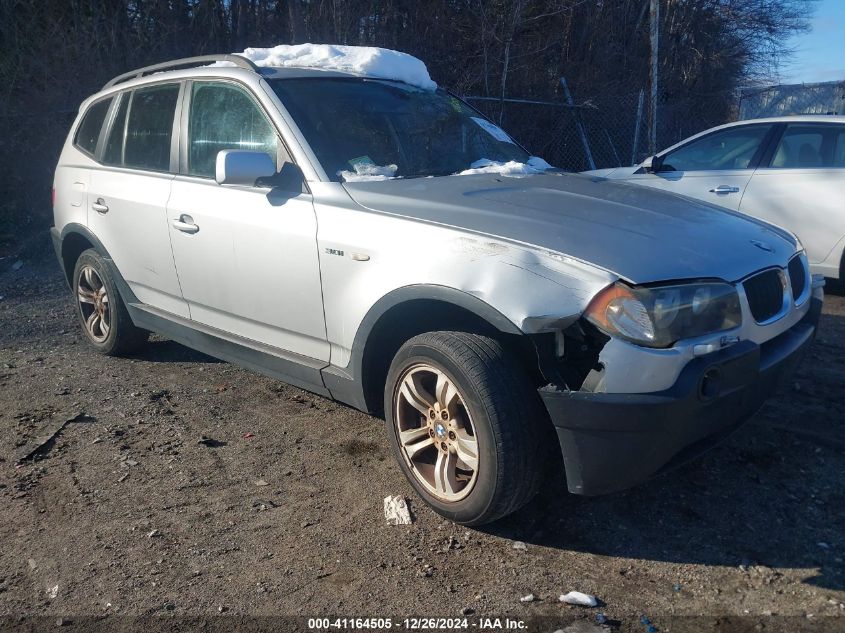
x: 279, y: 512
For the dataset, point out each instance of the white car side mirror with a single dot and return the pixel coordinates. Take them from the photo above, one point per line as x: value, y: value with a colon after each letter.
x: 243, y: 167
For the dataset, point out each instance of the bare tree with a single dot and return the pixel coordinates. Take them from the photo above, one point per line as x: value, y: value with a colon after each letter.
x: 53, y: 53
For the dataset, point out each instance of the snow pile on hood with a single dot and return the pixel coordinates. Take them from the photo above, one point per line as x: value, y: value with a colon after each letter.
x: 360, y: 60
x: 535, y: 165
x: 366, y: 171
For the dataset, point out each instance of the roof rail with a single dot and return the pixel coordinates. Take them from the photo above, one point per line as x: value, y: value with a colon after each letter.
x: 237, y: 60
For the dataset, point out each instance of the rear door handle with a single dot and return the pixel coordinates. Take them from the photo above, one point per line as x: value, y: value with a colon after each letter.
x: 185, y: 223
x: 725, y: 189
x: 100, y: 206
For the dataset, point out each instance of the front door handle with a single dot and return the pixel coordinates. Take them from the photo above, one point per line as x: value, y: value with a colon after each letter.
x: 185, y: 223
x: 100, y: 206
x: 725, y: 189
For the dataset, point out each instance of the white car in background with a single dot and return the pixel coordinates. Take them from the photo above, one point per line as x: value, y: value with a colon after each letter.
x: 789, y: 171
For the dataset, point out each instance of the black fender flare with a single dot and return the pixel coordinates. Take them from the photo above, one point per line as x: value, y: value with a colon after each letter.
x: 445, y: 294
x: 75, y: 228
x: 84, y: 231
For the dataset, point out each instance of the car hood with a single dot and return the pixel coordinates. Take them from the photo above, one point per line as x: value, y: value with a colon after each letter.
x: 639, y: 234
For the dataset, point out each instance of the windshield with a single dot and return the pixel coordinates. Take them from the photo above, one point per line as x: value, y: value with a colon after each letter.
x: 370, y: 129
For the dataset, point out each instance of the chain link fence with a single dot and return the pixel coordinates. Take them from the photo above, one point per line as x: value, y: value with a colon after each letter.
x: 602, y: 131
x: 770, y: 101
x: 609, y: 130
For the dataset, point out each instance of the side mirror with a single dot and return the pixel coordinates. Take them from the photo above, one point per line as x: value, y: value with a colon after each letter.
x: 243, y: 167
x: 648, y: 165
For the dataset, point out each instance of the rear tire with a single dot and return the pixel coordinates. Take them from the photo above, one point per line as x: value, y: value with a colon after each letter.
x: 466, y: 426
x: 102, y: 314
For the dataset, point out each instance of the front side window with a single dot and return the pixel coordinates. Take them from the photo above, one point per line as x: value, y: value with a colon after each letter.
x: 388, y: 128
x: 150, y: 127
x: 88, y: 132
x: 733, y: 148
x: 223, y: 116
x: 810, y: 146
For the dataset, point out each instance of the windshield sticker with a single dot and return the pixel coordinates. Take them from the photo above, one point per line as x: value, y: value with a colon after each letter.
x: 493, y: 130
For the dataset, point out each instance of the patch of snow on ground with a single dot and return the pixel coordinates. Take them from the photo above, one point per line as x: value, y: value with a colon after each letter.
x: 368, y: 172
x: 535, y: 165
x: 360, y: 60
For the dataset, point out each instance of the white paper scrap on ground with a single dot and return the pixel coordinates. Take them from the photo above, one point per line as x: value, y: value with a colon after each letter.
x: 579, y: 599
x: 396, y: 510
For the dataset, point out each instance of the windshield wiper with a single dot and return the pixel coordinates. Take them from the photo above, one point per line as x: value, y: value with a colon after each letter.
x: 425, y: 173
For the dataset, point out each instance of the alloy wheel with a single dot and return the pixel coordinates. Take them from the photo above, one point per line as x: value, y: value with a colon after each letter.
x: 436, y: 433
x: 94, y: 305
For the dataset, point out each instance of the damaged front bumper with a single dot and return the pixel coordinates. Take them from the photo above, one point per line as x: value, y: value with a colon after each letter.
x: 612, y: 441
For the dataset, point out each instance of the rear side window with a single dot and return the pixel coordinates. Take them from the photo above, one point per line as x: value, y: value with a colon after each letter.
x: 804, y: 146
x: 88, y: 132
x: 799, y: 147
x: 150, y: 127
x: 223, y: 116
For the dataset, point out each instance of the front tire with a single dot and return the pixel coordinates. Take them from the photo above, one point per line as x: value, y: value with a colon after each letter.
x: 466, y: 425
x: 101, y: 311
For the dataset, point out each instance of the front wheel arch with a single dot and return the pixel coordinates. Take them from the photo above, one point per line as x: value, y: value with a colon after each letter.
x: 413, y: 310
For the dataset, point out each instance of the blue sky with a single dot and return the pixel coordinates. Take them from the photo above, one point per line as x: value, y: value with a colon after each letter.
x: 819, y: 53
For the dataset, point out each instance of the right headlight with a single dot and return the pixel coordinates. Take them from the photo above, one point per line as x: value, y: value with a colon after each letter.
x: 659, y: 316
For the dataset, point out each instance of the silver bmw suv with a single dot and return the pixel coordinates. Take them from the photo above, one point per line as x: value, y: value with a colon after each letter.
x: 385, y: 245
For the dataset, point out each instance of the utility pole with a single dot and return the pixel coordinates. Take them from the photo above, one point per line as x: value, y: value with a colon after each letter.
x: 654, y: 17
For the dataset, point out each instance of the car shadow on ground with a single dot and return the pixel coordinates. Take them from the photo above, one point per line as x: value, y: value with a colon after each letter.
x: 834, y: 287
x: 716, y: 510
x: 164, y: 351
x: 770, y: 495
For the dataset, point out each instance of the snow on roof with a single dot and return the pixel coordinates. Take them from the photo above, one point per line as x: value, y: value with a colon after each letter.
x: 368, y: 61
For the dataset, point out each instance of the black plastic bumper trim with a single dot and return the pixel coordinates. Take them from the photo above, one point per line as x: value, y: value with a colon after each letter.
x: 611, y: 442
